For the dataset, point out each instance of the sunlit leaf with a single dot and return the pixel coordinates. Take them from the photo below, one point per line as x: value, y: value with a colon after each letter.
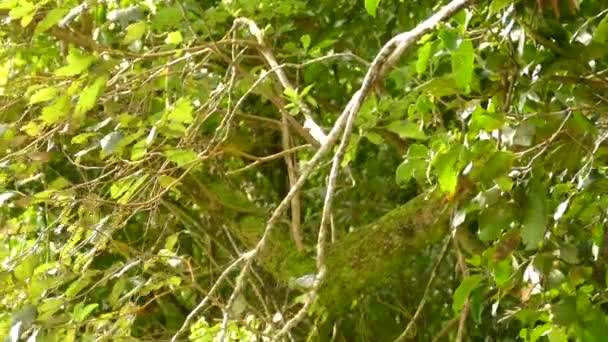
x: 371, y: 7
x: 133, y: 188
x: 52, y: 18
x: 32, y: 128
x: 447, y: 169
x: 81, y: 312
x: 89, y: 95
x: 424, y: 54
x: 134, y: 32
x: 181, y: 157
x: 182, y: 111
x: 44, y: 94
x: 77, y: 64
x: 174, y: 38
x: 56, y: 111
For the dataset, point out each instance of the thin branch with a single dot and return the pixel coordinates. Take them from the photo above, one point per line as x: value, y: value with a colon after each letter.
x: 392, y: 50
x: 425, y: 295
x: 315, y: 130
x: 202, y: 304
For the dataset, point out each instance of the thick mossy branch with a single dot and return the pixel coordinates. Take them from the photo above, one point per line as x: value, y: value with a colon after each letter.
x: 372, y: 255
x: 363, y: 259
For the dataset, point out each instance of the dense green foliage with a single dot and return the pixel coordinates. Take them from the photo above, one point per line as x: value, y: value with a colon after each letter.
x: 145, y: 144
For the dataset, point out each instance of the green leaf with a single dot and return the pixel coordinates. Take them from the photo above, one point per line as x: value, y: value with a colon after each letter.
x: 134, y: 32
x: 182, y: 112
x: 52, y: 18
x: 481, y: 121
x: 371, y: 6
x: 181, y: 157
x: 410, y: 169
x: 89, y: 95
x: 406, y: 129
x: 564, y: 312
x: 132, y: 189
x: 440, y: 86
x: 374, y: 138
x: 171, y: 241
x: 462, y: 292
x: 557, y: 334
x: 26, y: 267
x: 167, y: 18
x: 424, y: 54
x: 493, y: 220
x: 305, y: 40
x: 81, y: 312
x: 497, y: 5
x: 447, y: 169
x: 49, y: 306
x: 32, y: 128
x: 498, y: 165
x: 120, y: 187
x: 462, y: 64
x: 77, y: 64
x: 83, y: 138
x: 23, y: 9
x: 601, y: 32
x: 414, y: 166
x: 502, y: 272
x: 56, y: 111
x: 43, y: 95
x: 166, y: 181
x: 535, y: 216
x: 139, y: 150
x: 79, y: 284
x: 174, y: 38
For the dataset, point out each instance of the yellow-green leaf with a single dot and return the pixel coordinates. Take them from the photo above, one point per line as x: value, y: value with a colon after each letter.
x: 174, y: 38
x: 44, y: 94
x: 32, y: 129
x: 181, y: 157
x: 56, y: 111
x: 89, y: 95
x: 23, y: 8
x: 371, y: 6
x: 132, y: 189
x: 52, y: 18
x: 139, y: 150
x: 134, y: 32
x: 77, y: 64
x: 424, y: 54
x: 166, y: 181
x: 182, y: 112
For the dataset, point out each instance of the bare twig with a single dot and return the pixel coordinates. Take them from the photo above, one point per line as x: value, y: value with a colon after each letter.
x: 467, y: 305
x: 425, y: 295
x: 315, y: 130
